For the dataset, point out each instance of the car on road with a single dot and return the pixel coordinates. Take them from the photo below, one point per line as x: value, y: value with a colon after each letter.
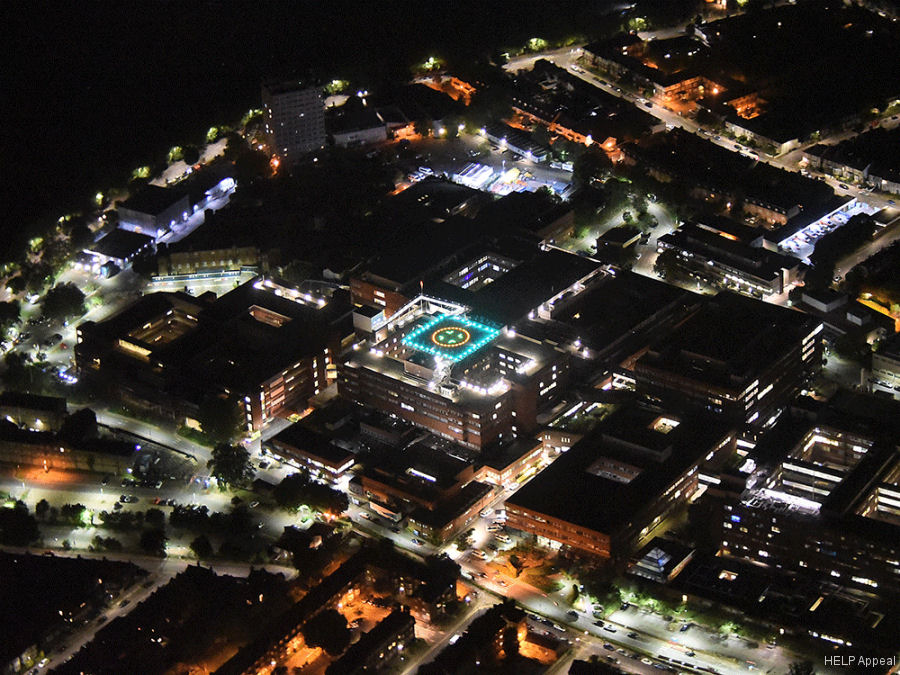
x: 624, y: 606
x: 684, y: 627
x: 633, y: 635
x: 842, y: 186
x: 691, y: 653
x: 254, y: 504
x: 598, y: 624
x: 128, y: 499
x: 125, y: 603
x: 648, y: 104
x: 418, y: 542
x: 609, y: 629
x: 609, y: 647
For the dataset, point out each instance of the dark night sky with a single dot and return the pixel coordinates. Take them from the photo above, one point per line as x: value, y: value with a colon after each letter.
x: 93, y: 89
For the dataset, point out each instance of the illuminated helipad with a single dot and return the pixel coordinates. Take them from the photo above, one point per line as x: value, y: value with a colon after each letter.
x: 450, y: 337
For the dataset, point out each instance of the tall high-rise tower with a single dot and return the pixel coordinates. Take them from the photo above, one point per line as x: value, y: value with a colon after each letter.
x: 295, y: 118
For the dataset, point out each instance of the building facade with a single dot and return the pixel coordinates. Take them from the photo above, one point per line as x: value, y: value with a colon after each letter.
x: 294, y: 119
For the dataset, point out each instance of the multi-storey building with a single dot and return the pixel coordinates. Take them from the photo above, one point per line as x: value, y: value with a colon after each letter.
x: 885, y: 373
x: 154, y: 210
x: 294, y: 119
x: 829, y: 509
x: 608, y: 493
x: 717, y: 257
x: 735, y: 356
x: 265, y: 344
x: 464, y: 380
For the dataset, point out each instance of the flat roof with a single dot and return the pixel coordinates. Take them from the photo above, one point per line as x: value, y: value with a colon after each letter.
x: 531, y: 283
x: 15, y: 399
x: 352, y: 116
x: 153, y: 200
x: 574, y: 490
x: 302, y: 441
x: 728, y: 341
x: 500, y: 455
x: 750, y: 260
x: 618, y: 307
x: 120, y: 244
x: 418, y: 469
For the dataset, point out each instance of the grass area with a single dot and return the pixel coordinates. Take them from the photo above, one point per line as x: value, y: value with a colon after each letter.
x: 542, y: 577
x: 195, y: 436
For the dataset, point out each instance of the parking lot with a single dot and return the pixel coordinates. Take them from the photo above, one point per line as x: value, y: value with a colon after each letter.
x: 802, y: 243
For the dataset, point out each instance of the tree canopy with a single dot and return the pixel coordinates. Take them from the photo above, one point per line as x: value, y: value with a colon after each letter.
x: 202, y: 547
x: 9, y: 314
x: 63, y: 301
x: 17, y: 526
x: 220, y: 418
x: 297, y: 489
x: 230, y: 465
x: 154, y: 541
x: 328, y: 630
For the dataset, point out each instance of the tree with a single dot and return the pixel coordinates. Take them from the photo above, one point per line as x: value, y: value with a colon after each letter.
x: 106, y: 543
x: 201, y: 547
x: 328, y: 630
x: 230, y: 465
x: 155, y: 518
x: 74, y: 514
x: 517, y: 564
x: 296, y: 490
x: 190, y: 154
x: 666, y: 264
x: 220, y: 418
x: 16, y: 284
x: 423, y: 127
x: 9, y: 314
x: 63, y: 301
x: 154, y: 541
x: 250, y: 165
x: 17, y: 526
x: 801, y: 668
x: 590, y: 164
x: 41, y: 509
x: 290, y: 493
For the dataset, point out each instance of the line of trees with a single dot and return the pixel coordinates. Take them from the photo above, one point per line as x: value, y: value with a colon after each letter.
x: 298, y: 489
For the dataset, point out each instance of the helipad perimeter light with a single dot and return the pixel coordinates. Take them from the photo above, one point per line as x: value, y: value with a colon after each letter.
x: 451, y: 338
